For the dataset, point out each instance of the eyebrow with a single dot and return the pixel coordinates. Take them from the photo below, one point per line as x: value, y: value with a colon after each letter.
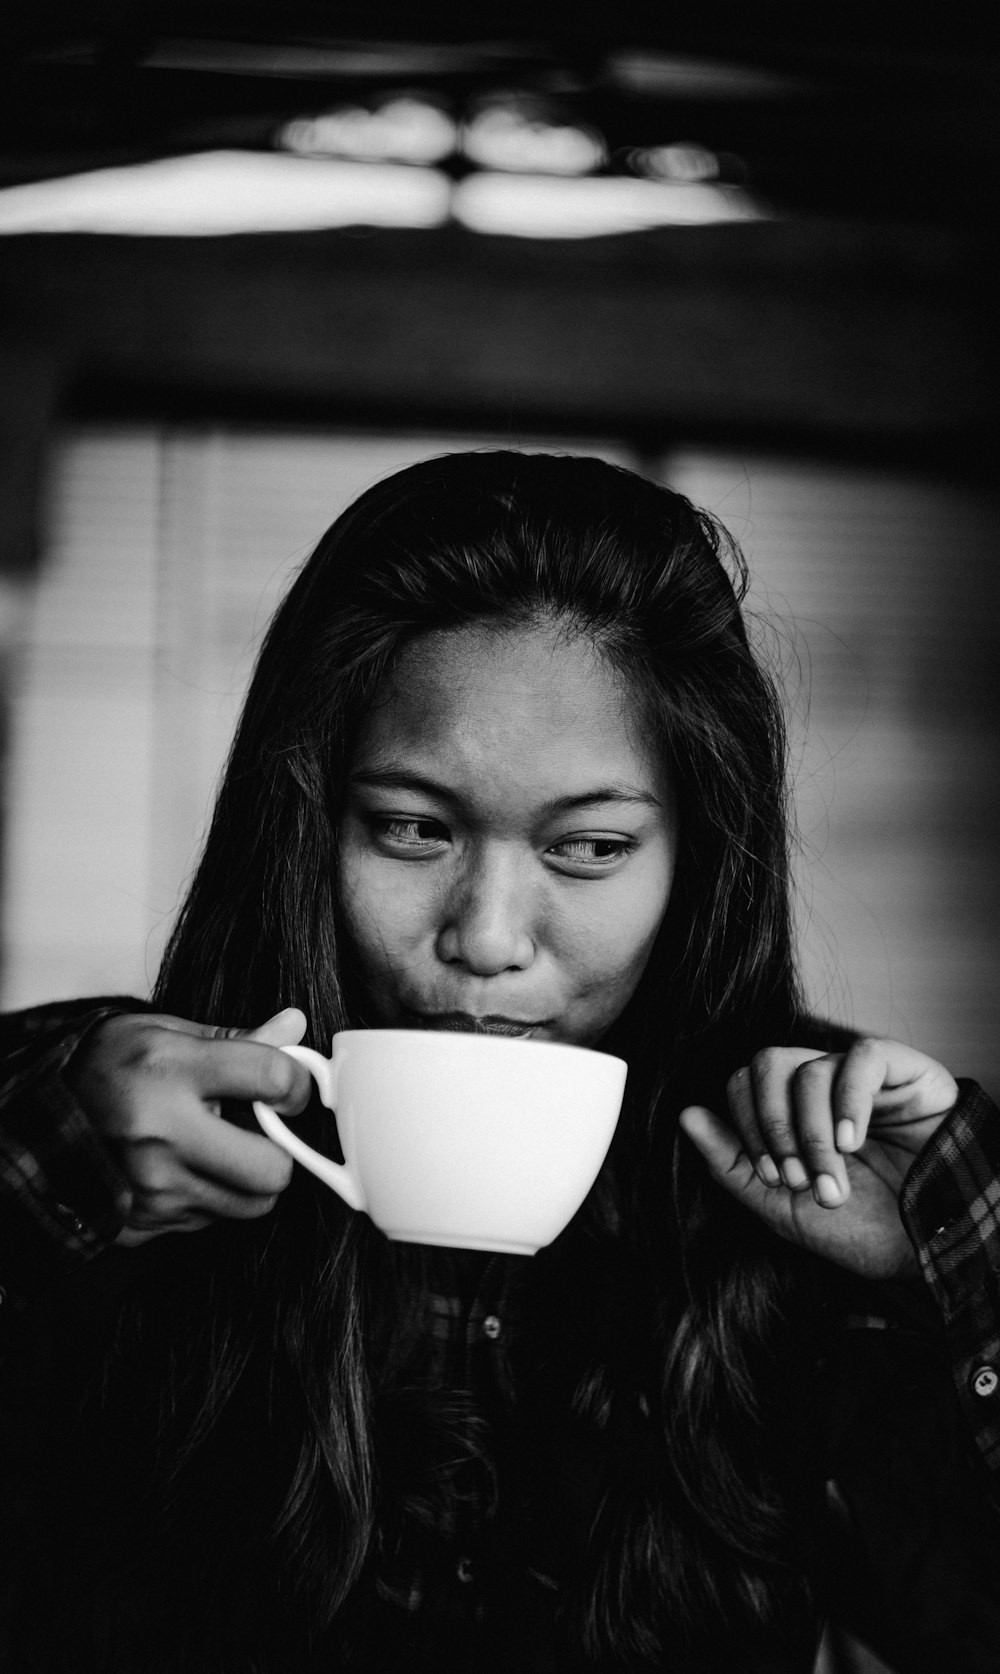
x: 391, y: 778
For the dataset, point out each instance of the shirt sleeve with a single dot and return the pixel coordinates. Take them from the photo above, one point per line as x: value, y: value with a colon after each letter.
x: 914, y: 1463
x: 61, y: 1197
x: 950, y: 1205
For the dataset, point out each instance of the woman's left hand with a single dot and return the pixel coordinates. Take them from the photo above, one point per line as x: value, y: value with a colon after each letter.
x: 818, y: 1144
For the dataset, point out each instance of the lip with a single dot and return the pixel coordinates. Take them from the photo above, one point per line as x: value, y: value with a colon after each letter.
x: 465, y: 1022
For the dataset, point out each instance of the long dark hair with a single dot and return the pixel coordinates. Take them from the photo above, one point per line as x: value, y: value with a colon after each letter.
x: 697, y: 1525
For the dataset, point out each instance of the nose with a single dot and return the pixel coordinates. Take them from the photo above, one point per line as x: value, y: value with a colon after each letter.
x: 486, y: 924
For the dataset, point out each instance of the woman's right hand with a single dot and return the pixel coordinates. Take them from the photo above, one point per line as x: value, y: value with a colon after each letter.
x: 151, y: 1086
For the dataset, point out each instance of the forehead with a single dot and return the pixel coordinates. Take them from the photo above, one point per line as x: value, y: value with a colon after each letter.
x: 510, y: 704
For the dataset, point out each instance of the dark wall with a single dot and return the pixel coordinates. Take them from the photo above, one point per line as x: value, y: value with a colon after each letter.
x: 833, y: 339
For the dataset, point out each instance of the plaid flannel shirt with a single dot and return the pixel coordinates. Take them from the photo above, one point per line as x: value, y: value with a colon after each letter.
x: 950, y: 1205
x: 62, y: 1199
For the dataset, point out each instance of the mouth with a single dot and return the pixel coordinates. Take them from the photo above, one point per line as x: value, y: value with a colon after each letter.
x: 464, y: 1022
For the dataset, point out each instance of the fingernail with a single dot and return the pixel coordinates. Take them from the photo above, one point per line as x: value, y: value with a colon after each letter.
x: 845, y: 1135
x: 827, y: 1191
x: 795, y: 1175
x: 767, y: 1168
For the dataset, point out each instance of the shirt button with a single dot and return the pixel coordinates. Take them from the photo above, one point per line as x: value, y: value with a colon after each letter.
x: 491, y: 1327
x: 71, y: 1218
x: 984, y: 1381
x: 464, y: 1571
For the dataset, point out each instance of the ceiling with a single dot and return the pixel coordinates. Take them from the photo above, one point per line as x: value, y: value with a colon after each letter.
x: 868, y: 113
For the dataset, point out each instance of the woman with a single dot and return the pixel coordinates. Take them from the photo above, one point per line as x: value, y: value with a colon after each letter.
x: 508, y: 763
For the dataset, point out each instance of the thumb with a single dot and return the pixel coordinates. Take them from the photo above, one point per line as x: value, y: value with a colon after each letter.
x: 727, y: 1162
x: 285, y: 1028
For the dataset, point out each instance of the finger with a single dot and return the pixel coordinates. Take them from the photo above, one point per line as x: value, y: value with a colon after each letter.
x: 204, y: 1150
x: 723, y: 1151
x: 197, y: 1208
x: 215, y: 1201
x: 131, y: 1236
x: 167, y: 1193
x: 272, y: 1077
x: 217, y: 1151
x: 743, y: 1109
x: 771, y: 1073
x: 812, y: 1099
x: 863, y: 1073
x: 285, y: 1028
x: 247, y: 1070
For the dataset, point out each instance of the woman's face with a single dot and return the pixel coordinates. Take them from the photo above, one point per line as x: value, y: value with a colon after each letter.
x: 507, y: 846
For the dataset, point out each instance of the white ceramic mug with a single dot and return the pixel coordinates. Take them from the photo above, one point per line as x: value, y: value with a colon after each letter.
x: 473, y: 1141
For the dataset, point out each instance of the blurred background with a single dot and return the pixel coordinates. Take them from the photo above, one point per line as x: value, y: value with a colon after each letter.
x: 253, y: 256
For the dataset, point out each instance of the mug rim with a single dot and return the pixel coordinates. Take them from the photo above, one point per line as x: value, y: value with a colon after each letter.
x: 467, y: 1035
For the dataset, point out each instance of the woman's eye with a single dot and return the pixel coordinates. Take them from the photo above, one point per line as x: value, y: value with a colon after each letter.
x: 398, y: 832
x: 593, y: 854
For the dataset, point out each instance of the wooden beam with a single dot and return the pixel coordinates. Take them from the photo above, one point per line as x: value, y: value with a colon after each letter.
x: 841, y: 333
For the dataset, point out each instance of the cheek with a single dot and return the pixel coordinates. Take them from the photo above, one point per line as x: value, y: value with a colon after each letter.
x: 623, y: 934
x: 384, y: 913
x: 618, y: 963
x: 362, y: 905
x: 615, y: 946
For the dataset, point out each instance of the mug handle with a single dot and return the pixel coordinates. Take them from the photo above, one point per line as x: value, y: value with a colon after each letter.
x: 324, y: 1073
